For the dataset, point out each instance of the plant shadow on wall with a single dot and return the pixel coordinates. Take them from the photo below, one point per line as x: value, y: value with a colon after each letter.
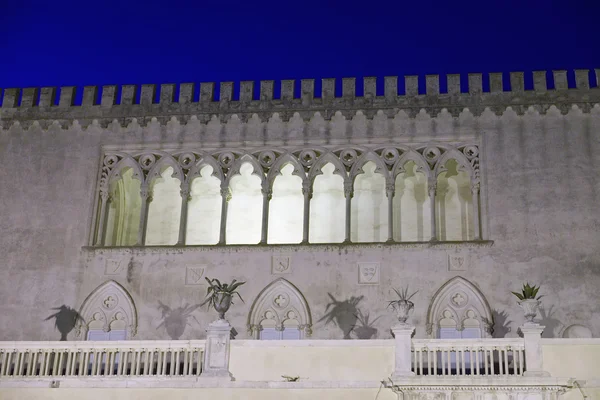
x: 551, y: 324
x: 65, y: 320
x: 176, y: 320
x: 500, y: 324
x: 344, y: 314
x: 365, y: 330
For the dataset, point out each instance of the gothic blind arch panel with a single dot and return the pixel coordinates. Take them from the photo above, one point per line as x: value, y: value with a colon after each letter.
x: 461, y: 307
x: 109, y: 307
x: 279, y: 307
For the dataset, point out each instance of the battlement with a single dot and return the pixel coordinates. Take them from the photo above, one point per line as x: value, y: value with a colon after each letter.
x: 453, y: 91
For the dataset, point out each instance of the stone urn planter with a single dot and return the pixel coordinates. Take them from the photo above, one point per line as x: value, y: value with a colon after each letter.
x: 220, y: 295
x: 529, y: 302
x: 402, y: 305
x: 530, y: 308
x: 403, y: 308
x: 222, y: 302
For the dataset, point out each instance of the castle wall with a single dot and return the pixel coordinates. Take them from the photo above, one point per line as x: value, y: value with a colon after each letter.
x: 540, y: 223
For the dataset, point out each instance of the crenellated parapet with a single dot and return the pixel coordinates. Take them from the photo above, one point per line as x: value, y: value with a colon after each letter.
x: 289, y: 98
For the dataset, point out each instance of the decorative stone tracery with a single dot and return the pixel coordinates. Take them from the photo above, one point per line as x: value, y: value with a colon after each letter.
x: 108, y: 307
x: 459, y: 304
x: 307, y: 162
x: 280, y: 305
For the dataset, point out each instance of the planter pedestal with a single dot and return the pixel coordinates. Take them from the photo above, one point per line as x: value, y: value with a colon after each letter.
x: 216, y: 353
x: 403, y: 334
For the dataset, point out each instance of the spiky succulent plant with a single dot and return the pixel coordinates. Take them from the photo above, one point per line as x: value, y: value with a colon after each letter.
x: 529, y: 292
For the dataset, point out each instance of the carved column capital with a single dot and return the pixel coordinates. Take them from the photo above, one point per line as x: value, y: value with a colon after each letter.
x: 104, y: 195
x: 348, y: 188
x: 432, y: 188
x: 475, y: 186
x: 390, y: 189
x: 146, y: 193
x: 307, y: 189
x: 185, y: 192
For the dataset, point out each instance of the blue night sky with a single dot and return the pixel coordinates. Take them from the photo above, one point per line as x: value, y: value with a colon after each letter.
x: 56, y: 43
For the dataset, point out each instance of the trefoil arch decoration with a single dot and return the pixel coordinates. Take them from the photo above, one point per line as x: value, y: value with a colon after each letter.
x: 459, y: 303
x: 279, y: 302
x: 107, y: 306
x: 308, y: 161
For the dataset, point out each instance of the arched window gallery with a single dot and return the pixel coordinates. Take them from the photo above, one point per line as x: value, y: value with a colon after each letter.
x: 285, y: 196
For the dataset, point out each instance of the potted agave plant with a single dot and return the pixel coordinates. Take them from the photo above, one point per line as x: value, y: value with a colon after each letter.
x: 528, y: 301
x: 402, y: 305
x: 220, y: 295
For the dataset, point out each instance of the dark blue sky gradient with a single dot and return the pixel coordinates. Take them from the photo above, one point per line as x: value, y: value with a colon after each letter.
x: 119, y: 42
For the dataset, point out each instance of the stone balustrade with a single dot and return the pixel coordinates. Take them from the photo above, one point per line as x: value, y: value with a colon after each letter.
x: 101, y: 359
x: 485, y: 357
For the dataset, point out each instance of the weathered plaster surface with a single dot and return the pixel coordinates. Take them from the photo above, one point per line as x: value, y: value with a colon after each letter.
x: 539, y: 201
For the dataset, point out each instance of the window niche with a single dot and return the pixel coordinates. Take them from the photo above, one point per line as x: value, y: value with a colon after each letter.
x: 204, y: 208
x: 123, y: 219
x: 164, y: 210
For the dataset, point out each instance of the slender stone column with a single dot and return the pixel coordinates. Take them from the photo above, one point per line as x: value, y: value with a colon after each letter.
x: 224, y: 199
x: 348, y: 193
x: 475, y: 199
x: 267, y: 194
x: 104, y: 201
x: 216, y: 353
x: 185, y: 198
x: 534, y: 359
x: 307, y: 192
x: 402, y: 341
x: 146, y: 199
x: 390, y: 190
x: 432, y: 189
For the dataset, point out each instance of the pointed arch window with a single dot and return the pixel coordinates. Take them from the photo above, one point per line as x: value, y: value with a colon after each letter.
x: 108, y: 313
x: 333, y: 194
x: 280, y: 312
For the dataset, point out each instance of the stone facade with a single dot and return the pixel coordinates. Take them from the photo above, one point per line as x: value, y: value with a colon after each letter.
x: 538, y: 162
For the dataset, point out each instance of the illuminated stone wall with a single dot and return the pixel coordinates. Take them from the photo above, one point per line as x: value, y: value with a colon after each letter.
x: 539, y: 157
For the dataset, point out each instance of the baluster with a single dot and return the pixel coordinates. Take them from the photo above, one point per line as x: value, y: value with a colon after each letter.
x: 94, y: 362
x: 47, y: 361
x: 149, y: 364
x: 521, y: 360
x: 89, y: 361
x: 492, y: 371
x: 506, y: 361
x: 478, y: 354
x: 57, y: 357
x: 164, y: 362
x: 186, y: 354
x: 19, y: 363
x: 199, y: 360
x: 33, y: 364
x: 3, y: 363
x: 421, y: 361
x: 68, y: 366
x: 177, y: 362
x: 137, y: 362
x: 109, y: 362
x: 435, y: 351
x: 443, y: 355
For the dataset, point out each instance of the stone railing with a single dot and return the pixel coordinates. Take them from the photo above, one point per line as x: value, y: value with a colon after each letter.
x: 486, y: 357
x: 101, y: 359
